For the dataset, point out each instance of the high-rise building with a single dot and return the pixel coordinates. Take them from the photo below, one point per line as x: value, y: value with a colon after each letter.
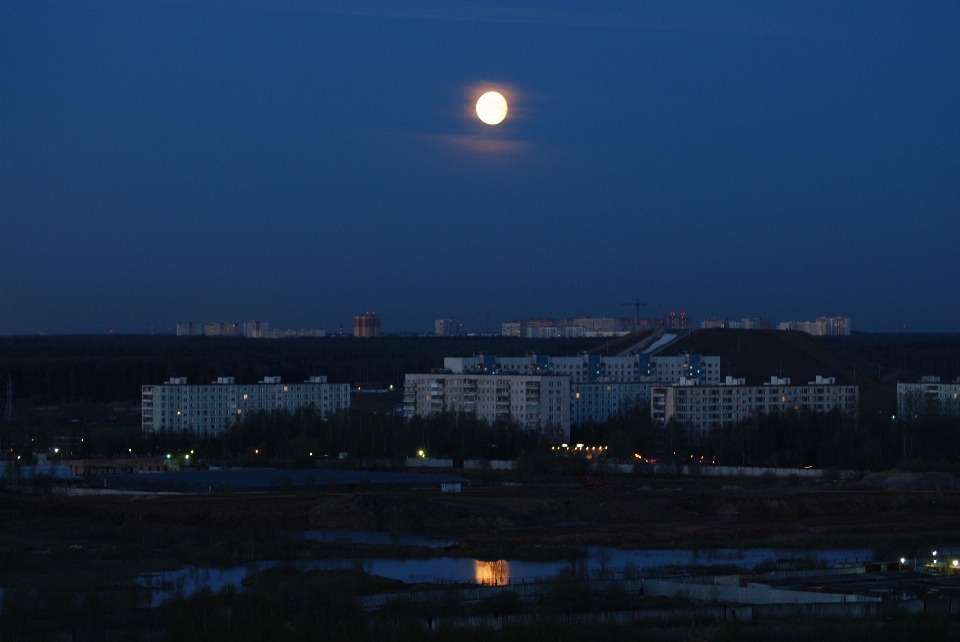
x: 513, y: 329
x: 216, y: 329
x: 366, y: 325
x: 255, y: 329
x: 747, y: 323
x: 189, y: 329
x: 447, y: 327
x: 822, y: 327
x: 210, y: 409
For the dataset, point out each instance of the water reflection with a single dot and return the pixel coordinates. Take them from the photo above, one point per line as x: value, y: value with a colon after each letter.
x: 493, y: 573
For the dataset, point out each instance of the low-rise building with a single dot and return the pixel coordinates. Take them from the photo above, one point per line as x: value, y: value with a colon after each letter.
x: 126, y: 465
x: 540, y: 402
x: 701, y: 408
x: 210, y: 409
x: 928, y: 395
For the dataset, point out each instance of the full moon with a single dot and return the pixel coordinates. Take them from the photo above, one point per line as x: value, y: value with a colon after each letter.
x: 492, y: 108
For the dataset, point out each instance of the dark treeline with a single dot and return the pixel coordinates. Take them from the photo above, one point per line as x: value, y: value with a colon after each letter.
x: 903, y: 357
x: 925, y: 439
x: 873, y: 441
x: 96, y: 368
x: 296, y: 439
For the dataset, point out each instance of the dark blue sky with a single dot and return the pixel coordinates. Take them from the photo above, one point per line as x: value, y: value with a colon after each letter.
x: 299, y: 162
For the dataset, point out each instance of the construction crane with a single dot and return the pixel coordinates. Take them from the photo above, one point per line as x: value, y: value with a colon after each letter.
x: 588, y: 481
x: 636, y: 303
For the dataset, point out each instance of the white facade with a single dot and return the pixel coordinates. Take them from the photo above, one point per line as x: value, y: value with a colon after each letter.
x: 533, y: 401
x: 928, y: 395
x: 210, y: 409
x: 704, y: 407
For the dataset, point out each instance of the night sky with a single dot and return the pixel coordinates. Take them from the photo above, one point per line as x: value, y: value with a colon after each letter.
x: 301, y: 162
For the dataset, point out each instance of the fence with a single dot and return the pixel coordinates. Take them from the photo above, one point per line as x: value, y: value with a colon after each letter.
x: 703, y: 614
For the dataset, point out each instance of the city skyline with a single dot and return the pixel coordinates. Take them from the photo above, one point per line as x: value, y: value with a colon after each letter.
x: 167, y: 161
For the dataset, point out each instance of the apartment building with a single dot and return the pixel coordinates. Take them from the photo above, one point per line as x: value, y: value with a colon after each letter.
x: 447, y: 327
x: 598, y: 401
x: 822, y: 327
x: 366, y: 325
x: 928, y: 395
x: 746, y: 323
x: 702, y: 407
x: 210, y: 409
x: 535, y: 402
x: 595, y: 367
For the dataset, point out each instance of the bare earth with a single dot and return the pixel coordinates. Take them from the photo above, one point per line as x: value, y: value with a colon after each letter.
x: 628, y: 513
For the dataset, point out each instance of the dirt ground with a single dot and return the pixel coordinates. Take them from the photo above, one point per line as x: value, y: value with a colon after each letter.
x: 628, y: 513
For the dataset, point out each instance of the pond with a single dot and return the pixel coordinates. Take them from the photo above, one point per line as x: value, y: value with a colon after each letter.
x: 189, y: 580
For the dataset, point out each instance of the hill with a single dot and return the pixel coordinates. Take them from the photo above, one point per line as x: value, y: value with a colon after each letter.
x: 757, y: 355
x: 901, y: 356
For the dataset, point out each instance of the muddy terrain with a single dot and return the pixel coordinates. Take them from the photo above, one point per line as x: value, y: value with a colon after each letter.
x: 628, y: 513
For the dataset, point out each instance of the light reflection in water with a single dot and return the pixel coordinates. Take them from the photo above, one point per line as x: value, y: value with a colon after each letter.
x: 492, y: 573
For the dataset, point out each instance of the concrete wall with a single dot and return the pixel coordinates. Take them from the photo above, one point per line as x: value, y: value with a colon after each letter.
x: 686, y: 615
x: 491, y: 464
x: 721, y: 471
x: 750, y: 594
x: 417, y: 462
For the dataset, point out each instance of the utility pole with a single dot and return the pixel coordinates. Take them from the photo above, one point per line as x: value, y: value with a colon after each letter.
x: 8, y: 417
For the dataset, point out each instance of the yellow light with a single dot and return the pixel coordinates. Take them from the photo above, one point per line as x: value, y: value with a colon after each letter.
x: 420, y: 453
x: 491, y: 573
